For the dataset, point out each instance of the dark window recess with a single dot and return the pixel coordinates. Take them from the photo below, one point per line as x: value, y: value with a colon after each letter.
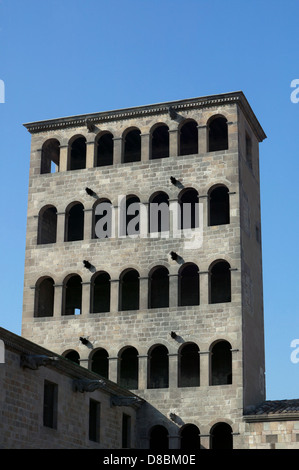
x: 100, y: 291
x: 126, y: 431
x: 44, y: 298
x: 220, y: 283
x: 159, y: 288
x: 47, y: 225
x: 219, y: 206
x: 94, y: 420
x: 221, y: 358
x: 50, y: 157
x: 73, y: 356
x: 159, y: 438
x: 130, y: 216
x: 100, y: 363
x: 190, y: 437
x: 75, y: 223
x: 189, y: 209
x: 73, y: 296
x: 132, y: 146
x: 50, y: 404
x: 128, y: 364
x: 189, y: 366
x: 104, y: 150
x: 129, y: 290
x: 221, y: 436
x: 248, y: 149
x: 188, y: 285
x: 160, y: 142
x: 158, y: 367
x: 189, y: 138
x: 218, y: 134
x: 78, y: 154
x: 159, y: 213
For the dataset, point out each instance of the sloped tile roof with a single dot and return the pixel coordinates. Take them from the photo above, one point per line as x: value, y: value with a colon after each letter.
x: 276, y: 407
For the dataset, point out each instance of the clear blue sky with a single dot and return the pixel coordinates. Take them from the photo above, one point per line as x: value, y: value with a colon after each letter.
x: 65, y: 57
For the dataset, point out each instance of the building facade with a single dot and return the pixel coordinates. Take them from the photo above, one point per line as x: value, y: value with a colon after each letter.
x: 49, y: 402
x: 143, y: 260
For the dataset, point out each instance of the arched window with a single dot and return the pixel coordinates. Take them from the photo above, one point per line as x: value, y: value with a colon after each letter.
x: 221, y: 363
x: 72, y: 301
x: 44, y: 297
x: 158, y: 367
x: 189, y: 209
x: 128, y: 368
x: 73, y: 356
x: 47, y: 225
x: 221, y: 436
x: 50, y: 156
x: 132, y: 146
x: 159, y: 287
x: 104, y: 150
x: 129, y: 290
x: 159, y: 213
x: 190, y: 437
x: 102, y: 219
x: 189, y: 138
x: 99, y: 362
x: 219, y: 206
x: 100, y: 292
x: 220, y: 282
x: 130, y: 216
x: 217, y: 134
x: 160, y: 142
x: 77, y: 153
x: 188, y: 364
x: 159, y: 438
x: 74, y: 222
x: 188, y: 288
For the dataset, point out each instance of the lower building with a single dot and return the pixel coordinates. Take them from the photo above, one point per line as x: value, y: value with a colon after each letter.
x: 50, y: 402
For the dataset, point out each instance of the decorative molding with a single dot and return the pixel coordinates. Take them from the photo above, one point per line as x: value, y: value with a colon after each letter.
x: 149, y: 110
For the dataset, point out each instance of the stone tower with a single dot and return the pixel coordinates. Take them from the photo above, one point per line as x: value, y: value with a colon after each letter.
x: 169, y: 305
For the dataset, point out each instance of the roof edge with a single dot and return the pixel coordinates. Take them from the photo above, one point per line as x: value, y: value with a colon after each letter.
x: 222, y: 99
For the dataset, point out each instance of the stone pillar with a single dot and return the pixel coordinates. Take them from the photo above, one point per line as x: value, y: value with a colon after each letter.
x: 173, y: 290
x: 145, y: 147
x: 174, y: 442
x: 205, y: 441
x: 114, y: 295
x: 205, y: 215
x: 85, y: 303
x: 117, y: 150
x: 90, y: 154
x: 60, y: 231
x: 202, y: 139
x: 204, y: 287
x: 142, y: 372
x: 58, y: 298
x: 173, y: 371
x: 113, y: 369
x: 143, y: 293
x: 173, y: 142
x: 87, y: 224
x: 204, y: 368
x: 63, y: 158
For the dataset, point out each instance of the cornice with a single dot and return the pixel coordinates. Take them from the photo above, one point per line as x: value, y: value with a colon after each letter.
x: 150, y: 110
